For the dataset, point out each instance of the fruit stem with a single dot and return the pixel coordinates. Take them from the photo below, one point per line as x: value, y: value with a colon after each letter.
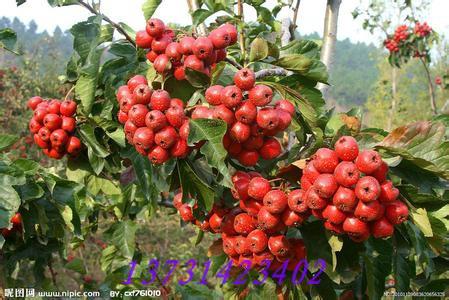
x: 69, y: 92
x: 234, y: 63
x: 115, y: 25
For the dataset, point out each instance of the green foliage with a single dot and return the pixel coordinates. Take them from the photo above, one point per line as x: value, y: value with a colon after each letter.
x: 8, y: 40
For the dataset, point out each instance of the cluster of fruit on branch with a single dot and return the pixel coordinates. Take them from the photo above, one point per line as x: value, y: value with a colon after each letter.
x: 252, y: 122
x: 408, y: 40
x: 350, y: 191
x: 255, y: 228
x: 16, y: 222
x: 154, y: 122
x: 171, y: 53
x: 53, y: 126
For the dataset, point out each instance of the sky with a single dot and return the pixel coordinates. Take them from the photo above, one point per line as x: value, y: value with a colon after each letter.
x: 310, y: 17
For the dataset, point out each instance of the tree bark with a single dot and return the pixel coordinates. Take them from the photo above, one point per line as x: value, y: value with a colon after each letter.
x: 329, y: 38
x: 394, y: 94
x: 193, y: 6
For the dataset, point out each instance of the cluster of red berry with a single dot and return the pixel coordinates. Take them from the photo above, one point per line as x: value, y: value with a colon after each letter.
x: 351, y: 192
x: 199, y: 54
x: 252, y: 123
x: 401, y: 33
x: 16, y: 221
x: 154, y: 122
x: 255, y: 229
x: 422, y: 30
x: 438, y: 80
x: 53, y: 125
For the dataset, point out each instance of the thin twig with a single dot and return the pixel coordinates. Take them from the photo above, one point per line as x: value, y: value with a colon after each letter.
x: 69, y: 92
x: 115, y: 25
x: 271, y: 72
x: 234, y: 63
x: 295, y: 14
x: 433, y: 105
x: 241, y: 35
x: 52, y: 272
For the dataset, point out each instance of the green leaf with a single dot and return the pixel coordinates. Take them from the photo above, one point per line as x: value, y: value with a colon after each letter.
x: 336, y: 244
x: 308, y: 48
x: 8, y: 40
x: 9, y: 204
x: 88, y: 137
x: 7, y: 140
x: 258, y: 49
x: 421, y: 220
x: 118, y: 136
x: 200, y: 15
x: 29, y: 191
x: 193, y: 185
x: 149, y: 7
x: 179, y: 89
x: 402, y: 267
x: 211, y: 131
x: 123, y: 237
x: 197, y: 79
x: 86, y: 36
x: 421, y: 247
x: 76, y: 265
x: 216, y: 72
x: 421, y: 143
x: 96, y: 162
x: 29, y: 167
x: 315, y: 239
x: 86, y: 86
x: 311, y: 69
x: 56, y: 3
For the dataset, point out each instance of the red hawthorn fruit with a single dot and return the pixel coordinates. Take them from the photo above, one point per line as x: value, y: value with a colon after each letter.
x: 144, y: 138
x: 240, y: 132
x: 296, y: 201
x: 250, y: 206
x: 253, y: 174
x: 156, y: 120
x: 34, y: 125
x: 73, y: 145
x: 215, y: 222
x: 194, y: 63
x: 325, y: 185
x: 68, y: 108
x: 202, y: 48
x: 229, y: 246
x: 245, y: 79
x: 68, y: 124
x: 285, y: 105
x: 16, y: 220
x: 223, y: 113
x: 166, y: 137
x: 53, y: 107
x: 240, y: 175
x: 58, y: 137
x: 246, y: 112
x: 388, y: 193
x: 234, y: 149
x: 325, y: 160
x: 186, y: 213
x: 334, y: 228
x: 220, y: 38
x: 151, y: 56
x: 142, y: 94
x: 267, y: 118
x: 44, y: 133
x: 175, y: 116
x: 298, y: 248
x: 53, y: 153
x: 231, y: 30
x: 213, y: 95
x: 243, y: 224
x: 203, y: 225
x: 367, y: 189
x: 267, y: 220
x: 158, y: 155
x: 33, y: 102
x: 347, y: 148
x: 310, y: 172
x: 259, y: 258
x: 345, y: 199
x: 355, y: 228
x: 177, y: 102
x: 368, y: 161
x: 279, y: 245
x: 160, y: 100
x: 127, y: 102
x: 248, y: 158
x: 143, y: 39
x: 346, y: 174
x: 137, y: 114
x: 396, y: 212
x: 242, y: 245
x: 159, y: 44
x: 258, y: 187
x: 275, y: 201
x: 123, y: 91
x: 172, y: 51
x: 227, y: 224
x: 40, y: 142
x: 313, y: 200
x: 241, y: 189
x: 202, y: 112
x: 285, y: 119
x: 155, y: 27
x: 39, y: 114
x: 381, y: 173
x: 186, y: 45
x: 382, y: 228
x: 221, y: 55
x: 291, y: 218
x: 260, y: 95
x: 279, y: 228
x: 258, y: 241
x: 184, y: 130
x: 134, y: 81
x: 177, y: 200
x: 305, y: 183
x: 368, y: 211
x: 254, y: 143
x: 231, y: 96
x: 180, y: 73
x: 162, y: 63
x: 334, y: 215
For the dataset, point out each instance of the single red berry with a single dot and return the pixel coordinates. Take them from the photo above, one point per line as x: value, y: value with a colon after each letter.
x: 345, y: 199
x: 296, y: 201
x: 240, y: 175
x: 355, y: 228
x: 134, y: 81
x: 184, y: 130
x: 179, y: 73
x: 346, y: 174
x: 172, y: 51
x: 242, y: 245
x: 250, y: 206
x: 285, y: 119
x: 144, y: 138
x: 130, y: 129
x: 160, y: 44
x: 39, y: 114
x: 229, y: 246
x: 244, y: 224
x: 59, y: 137
x: 396, y: 212
x: 33, y: 102
x: 260, y: 95
x: 310, y: 172
x: 175, y: 116
x: 334, y: 215
x: 34, y: 125
x: 265, y: 255
x: 123, y: 91
x: 162, y: 64
x: 160, y: 100
x: 367, y: 189
x: 44, y: 133
x: 267, y: 118
x: 231, y: 96
x: 137, y: 114
x: 127, y: 102
x: 73, y: 145
x: 142, y: 93
x: 279, y: 245
x: 53, y: 107
x: 291, y: 218
x: 245, y: 79
x: 186, y: 45
x: 305, y: 183
x: 166, y: 137
x: 367, y: 211
x: 151, y: 56
x: 158, y: 155
x: 313, y: 200
x: 246, y: 112
x: 240, y: 191
x: 231, y: 30
x: 325, y: 185
x: 143, y: 39
x: 248, y: 158
x: 215, y: 222
x: 180, y: 149
x: 334, y: 228
x: 381, y: 173
x: 220, y: 38
x: 382, y: 228
x: 68, y: 124
x: 155, y: 27
x: 275, y: 201
x: 186, y: 213
x: 52, y: 121
x: 240, y: 132
x: 325, y: 160
x: 213, y: 94
x: 155, y: 120
x: 202, y: 48
x: 258, y: 241
x: 347, y: 148
x: 194, y: 63
x: 40, y: 142
x: 267, y: 220
x: 202, y: 112
x: 285, y: 105
x: 253, y: 143
x: 388, y: 193
x: 368, y: 161
x: 258, y: 188
x: 223, y: 113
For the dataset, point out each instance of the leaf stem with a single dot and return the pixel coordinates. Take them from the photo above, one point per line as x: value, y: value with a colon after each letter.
x: 234, y: 63
x: 104, y: 17
x: 69, y: 92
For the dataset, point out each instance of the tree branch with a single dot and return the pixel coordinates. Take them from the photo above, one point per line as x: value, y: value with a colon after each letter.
x: 234, y: 63
x: 271, y: 72
x: 193, y: 6
x: 433, y: 105
x: 115, y: 25
x: 241, y: 35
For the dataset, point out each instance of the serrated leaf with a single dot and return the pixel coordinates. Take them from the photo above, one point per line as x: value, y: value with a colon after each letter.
x: 8, y: 40
x: 56, y: 3
x: 216, y: 72
x: 197, y: 79
x: 315, y: 238
x: 149, y: 7
x: 258, y: 49
x: 29, y: 191
x: 118, y: 136
x: 88, y: 137
x: 28, y: 166
x: 211, y: 131
x: 123, y: 237
x: 200, y: 15
x: 421, y: 220
x: 9, y: 204
x: 7, y: 140
x: 307, y: 48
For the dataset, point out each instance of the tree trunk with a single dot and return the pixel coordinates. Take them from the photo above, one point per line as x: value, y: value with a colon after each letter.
x: 329, y: 39
x: 193, y: 6
x: 394, y: 93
